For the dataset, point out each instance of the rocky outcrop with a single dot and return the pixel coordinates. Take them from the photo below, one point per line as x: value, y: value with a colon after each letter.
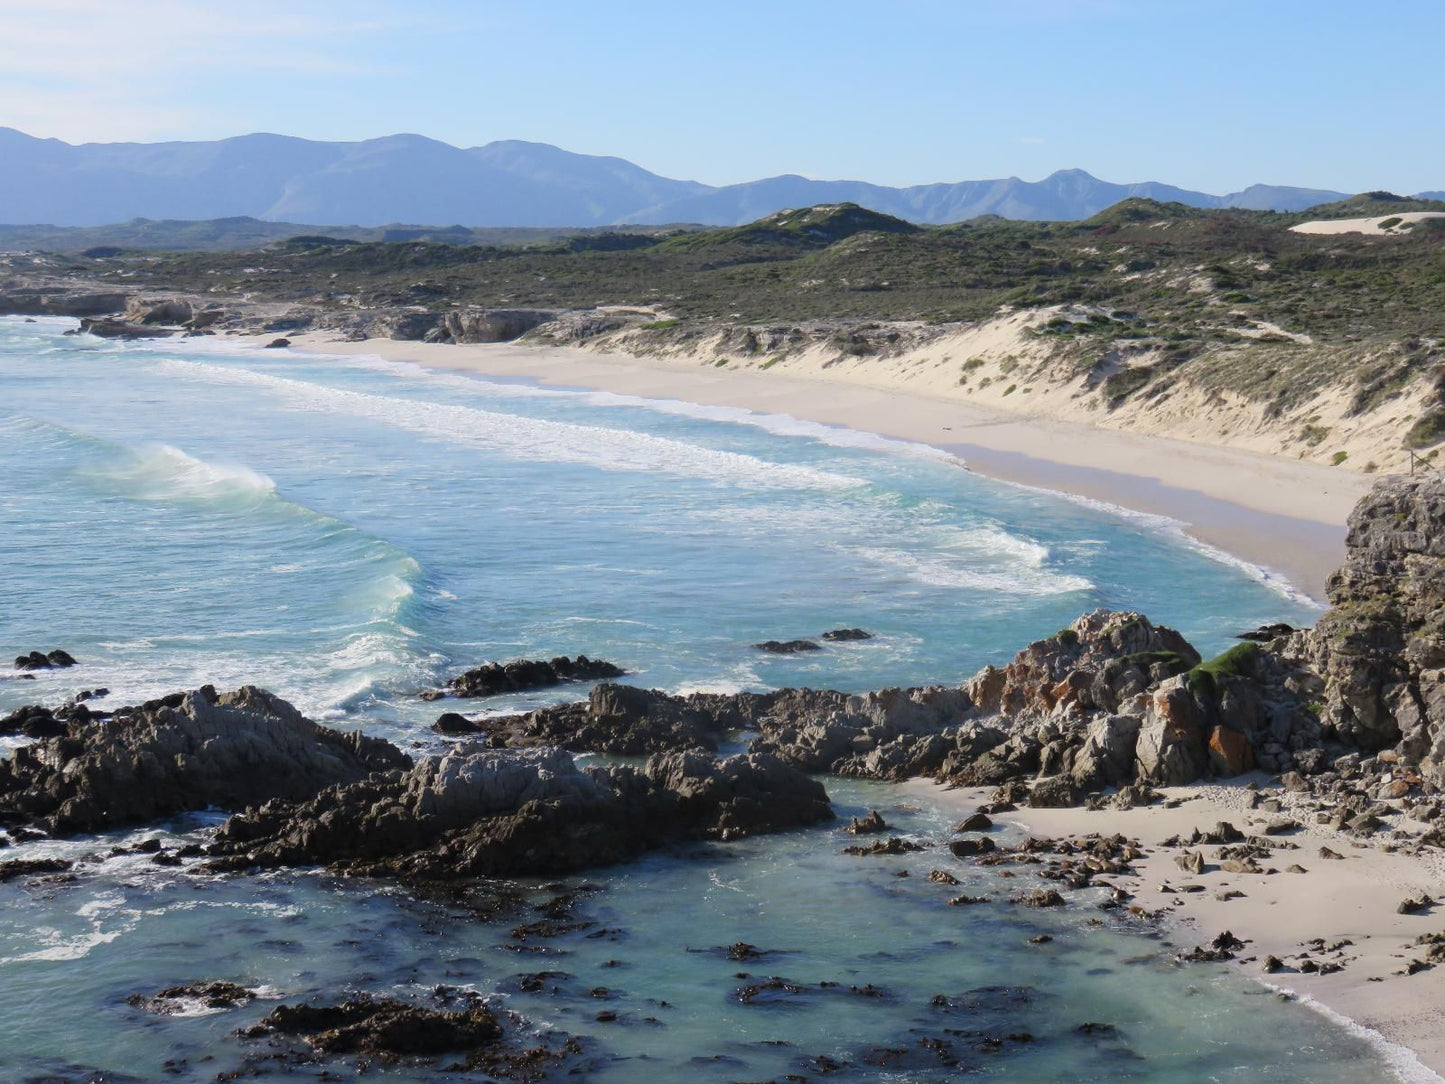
x: 188, y: 751
x: 1381, y: 646
x: 479, y: 811
x: 523, y: 675
x: 108, y: 327
x: 44, y: 660
x: 616, y: 719
x: 60, y: 301
x: 492, y: 325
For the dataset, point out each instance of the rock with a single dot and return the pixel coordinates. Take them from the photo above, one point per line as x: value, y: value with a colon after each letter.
x: 1325, y: 852
x: 787, y: 647
x: 943, y: 877
x: 972, y: 846
x: 871, y: 822
x: 492, y: 325
x: 894, y: 845
x: 184, y: 752
x: 1294, y: 783
x: 450, y: 722
x: 524, y: 675
x: 41, y: 660
x: 978, y: 822
x: 491, y: 812
x: 1190, y: 862
x: 1266, y: 633
x: 26, y: 867
x: 108, y: 327
x: 383, y: 1027
x: 278, y: 344
x: 1041, y: 897
x: 179, y: 999
x: 1273, y: 965
x: 1230, y: 752
x: 1413, y: 905
x: 845, y: 635
x: 620, y: 720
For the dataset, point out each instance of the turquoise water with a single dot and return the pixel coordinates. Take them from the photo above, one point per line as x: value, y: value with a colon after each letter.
x: 348, y: 532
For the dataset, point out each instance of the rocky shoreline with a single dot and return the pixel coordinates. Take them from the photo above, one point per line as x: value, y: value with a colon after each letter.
x: 1344, y: 724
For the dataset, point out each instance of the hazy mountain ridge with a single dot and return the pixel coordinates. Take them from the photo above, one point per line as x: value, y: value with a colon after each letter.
x: 410, y: 178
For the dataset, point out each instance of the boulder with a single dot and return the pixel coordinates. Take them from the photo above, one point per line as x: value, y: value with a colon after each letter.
x: 524, y: 675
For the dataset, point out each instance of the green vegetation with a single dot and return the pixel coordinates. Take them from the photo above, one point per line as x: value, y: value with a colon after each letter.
x: 1429, y: 429
x: 1338, y: 458
x: 1143, y: 296
x: 1238, y: 661
x: 1067, y: 636
x: 1174, y: 662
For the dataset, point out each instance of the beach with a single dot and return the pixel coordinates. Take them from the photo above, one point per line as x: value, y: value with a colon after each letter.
x: 1350, y: 900
x: 1284, y: 516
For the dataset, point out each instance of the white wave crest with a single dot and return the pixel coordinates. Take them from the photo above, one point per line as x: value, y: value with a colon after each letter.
x: 1010, y: 577
x: 158, y: 472
x: 526, y: 438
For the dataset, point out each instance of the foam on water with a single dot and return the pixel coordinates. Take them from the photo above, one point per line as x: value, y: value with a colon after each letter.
x: 533, y: 439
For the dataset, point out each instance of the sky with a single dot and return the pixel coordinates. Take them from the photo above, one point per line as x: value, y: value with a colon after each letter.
x: 1212, y: 95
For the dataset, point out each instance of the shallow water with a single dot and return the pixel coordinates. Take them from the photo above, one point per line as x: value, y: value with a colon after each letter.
x: 349, y: 531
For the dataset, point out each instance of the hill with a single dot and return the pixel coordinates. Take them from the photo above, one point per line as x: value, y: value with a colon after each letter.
x: 511, y: 183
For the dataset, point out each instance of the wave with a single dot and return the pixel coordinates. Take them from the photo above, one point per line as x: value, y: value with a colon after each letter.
x: 938, y: 570
x: 1178, y: 531
x: 521, y: 437
x: 782, y: 425
x: 159, y: 472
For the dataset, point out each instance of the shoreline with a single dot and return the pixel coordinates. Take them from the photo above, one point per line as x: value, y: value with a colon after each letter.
x: 1282, y: 516
x: 1352, y: 900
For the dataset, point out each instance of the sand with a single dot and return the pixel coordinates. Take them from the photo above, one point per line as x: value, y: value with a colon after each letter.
x: 1284, y: 515
x: 1365, y: 225
x: 1352, y: 899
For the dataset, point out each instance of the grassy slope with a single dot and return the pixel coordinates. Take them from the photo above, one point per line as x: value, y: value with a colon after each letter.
x: 1177, y: 287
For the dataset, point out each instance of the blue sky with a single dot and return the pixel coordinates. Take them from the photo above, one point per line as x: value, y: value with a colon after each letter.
x: 1208, y: 94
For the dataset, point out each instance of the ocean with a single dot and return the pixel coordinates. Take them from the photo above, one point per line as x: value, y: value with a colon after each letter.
x: 349, y: 532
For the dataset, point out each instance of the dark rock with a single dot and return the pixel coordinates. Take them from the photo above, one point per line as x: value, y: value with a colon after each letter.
x: 489, y: 812
x: 894, y: 845
x: 25, y: 867
x: 787, y: 647
x: 108, y: 327
x: 972, y: 846
x: 870, y: 823
x: 383, y: 1026
x: 621, y: 720
x: 182, y: 752
x: 451, y: 723
x: 524, y: 675
x: 845, y: 635
x: 1265, y: 633
x: 978, y: 822
x: 213, y: 995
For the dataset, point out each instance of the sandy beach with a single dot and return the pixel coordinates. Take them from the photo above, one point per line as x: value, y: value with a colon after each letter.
x: 1351, y: 899
x: 1282, y: 515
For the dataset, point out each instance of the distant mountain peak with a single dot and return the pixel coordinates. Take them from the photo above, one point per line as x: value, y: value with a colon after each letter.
x: 407, y: 177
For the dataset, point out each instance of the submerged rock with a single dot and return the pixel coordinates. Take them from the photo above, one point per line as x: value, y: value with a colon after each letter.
x: 846, y: 635
x: 187, y: 751
x: 479, y: 811
x: 383, y: 1026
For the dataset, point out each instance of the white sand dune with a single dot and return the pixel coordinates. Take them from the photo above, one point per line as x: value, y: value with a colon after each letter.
x: 1398, y: 223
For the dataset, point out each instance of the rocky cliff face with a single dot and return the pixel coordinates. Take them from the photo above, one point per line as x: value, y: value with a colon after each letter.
x: 1381, y: 646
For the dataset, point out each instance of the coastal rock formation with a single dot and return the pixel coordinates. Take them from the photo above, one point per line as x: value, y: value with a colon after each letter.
x: 108, y: 327
x: 44, y: 660
x: 1381, y: 646
x: 479, y: 811
x: 187, y: 751
x: 618, y: 719
x: 527, y: 674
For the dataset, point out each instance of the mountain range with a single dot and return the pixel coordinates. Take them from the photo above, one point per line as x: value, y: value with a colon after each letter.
x: 409, y: 178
